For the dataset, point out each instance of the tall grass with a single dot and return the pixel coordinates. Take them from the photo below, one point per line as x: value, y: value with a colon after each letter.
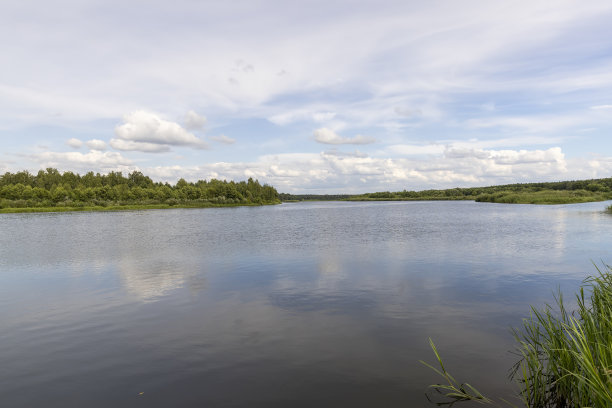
x: 565, y: 357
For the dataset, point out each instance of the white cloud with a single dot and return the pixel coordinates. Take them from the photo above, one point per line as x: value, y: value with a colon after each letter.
x: 516, y: 141
x: 408, y: 48
x: 310, y: 114
x: 416, y: 150
x: 223, y: 139
x: 93, y: 160
x: 96, y: 144
x: 286, y: 118
x: 74, y: 143
x: 602, y: 107
x: 553, y: 155
x: 323, y: 116
x: 142, y: 127
x: 595, y: 167
x: 417, y: 75
x: 151, y: 277
x: 128, y: 145
x: 464, y: 152
x: 333, y: 172
x: 193, y: 121
x: 534, y: 124
x: 328, y: 136
x: 335, y: 152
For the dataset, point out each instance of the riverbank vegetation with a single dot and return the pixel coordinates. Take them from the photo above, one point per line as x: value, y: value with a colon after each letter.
x: 561, y: 192
x: 565, y: 357
x: 290, y: 198
x: 51, y: 190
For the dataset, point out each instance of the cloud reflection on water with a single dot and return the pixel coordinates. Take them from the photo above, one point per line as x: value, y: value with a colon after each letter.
x: 322, y: 296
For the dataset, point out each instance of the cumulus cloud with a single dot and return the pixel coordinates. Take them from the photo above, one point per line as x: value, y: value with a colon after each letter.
x: 328, y: 136
x: 436, y: 84
x: 298, y: 115
x: 141, y: 129
x: 74, y: 143
x: 193, y: 121
x: 463, y: 152
x: 416, y: 150
x: 128, y: 145
x: 508, y: 157
x: 96, y: 144
x: 335, y: 152
x: 335, y: 172
x: 552, y: 155
x: 95, y: 159
x: 223, y: 139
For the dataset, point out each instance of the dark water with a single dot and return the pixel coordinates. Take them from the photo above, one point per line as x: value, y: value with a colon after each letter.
x: 297, y: 305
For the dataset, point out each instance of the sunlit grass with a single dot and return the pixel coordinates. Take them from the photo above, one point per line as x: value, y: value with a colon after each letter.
x: 129, y: 207
x: 544, y: 197
x: 565, y: 357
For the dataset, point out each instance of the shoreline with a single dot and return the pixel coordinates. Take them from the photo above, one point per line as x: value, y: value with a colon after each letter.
x: 577, y: 200
x: 129, y: 207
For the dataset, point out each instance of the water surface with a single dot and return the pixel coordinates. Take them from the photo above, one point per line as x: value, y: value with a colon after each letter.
x: 307, y: 304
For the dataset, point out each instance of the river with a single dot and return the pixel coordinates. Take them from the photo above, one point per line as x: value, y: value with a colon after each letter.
x: 326, y: 304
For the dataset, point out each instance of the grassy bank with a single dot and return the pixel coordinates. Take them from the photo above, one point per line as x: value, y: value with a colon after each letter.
x: 491, y: 195
x: 128, y: 207
x: 565, y: 357
x: 544, y: 197
x: 561, y: 192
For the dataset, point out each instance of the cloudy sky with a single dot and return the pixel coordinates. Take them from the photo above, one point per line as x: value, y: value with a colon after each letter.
x: 310, y: 96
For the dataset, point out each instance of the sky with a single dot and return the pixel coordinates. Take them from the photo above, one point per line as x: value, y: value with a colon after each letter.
x: 310, y: 96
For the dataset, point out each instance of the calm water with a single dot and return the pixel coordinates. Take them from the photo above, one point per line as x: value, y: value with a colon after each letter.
x: 297, y: 305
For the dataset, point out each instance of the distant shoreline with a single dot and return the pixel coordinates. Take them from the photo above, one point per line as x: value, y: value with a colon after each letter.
x: 112, y: 208
x: 117, y: 208
x: 526, y: 200
x: 560, y: 192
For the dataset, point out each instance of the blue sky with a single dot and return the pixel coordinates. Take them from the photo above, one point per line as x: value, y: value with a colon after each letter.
x: 310, y: 96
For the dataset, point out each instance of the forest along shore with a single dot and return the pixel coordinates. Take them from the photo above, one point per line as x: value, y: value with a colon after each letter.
x: 50, y: 191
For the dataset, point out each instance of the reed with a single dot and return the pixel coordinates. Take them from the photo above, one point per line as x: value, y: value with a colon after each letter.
x: 565, y: 357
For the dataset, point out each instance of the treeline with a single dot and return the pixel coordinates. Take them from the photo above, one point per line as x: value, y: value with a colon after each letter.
x: 50, y: 188
x: 535, y: 193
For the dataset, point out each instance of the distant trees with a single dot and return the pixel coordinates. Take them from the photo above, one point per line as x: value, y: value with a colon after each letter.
x: 548, y: 192
x: 50, y: 188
